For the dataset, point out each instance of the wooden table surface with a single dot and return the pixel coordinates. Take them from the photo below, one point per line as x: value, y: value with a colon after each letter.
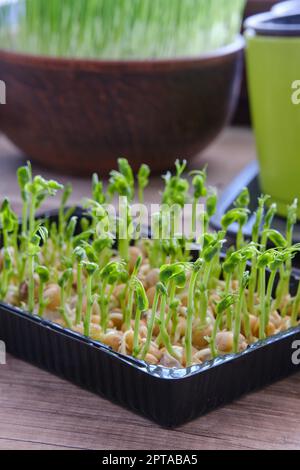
x: 41, y: 411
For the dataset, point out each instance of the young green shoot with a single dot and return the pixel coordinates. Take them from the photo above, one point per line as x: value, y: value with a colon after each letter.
x: 142, y: 304
x: 255, y: 239
x: 79, y: 256
x: 143, y: 181
x: 229, y: 267
x: 66, y: 194
x: 110, y: 276
x: 24, y: 176
x: 238, y: 311
x: 44, y: 277
x: 211, y: 207
x: 242, y: 202
x: 173, y: 276
x: 91, y: 269
x: 62, y: 282
x: 200, y: 191
x: 131, y: 285
x: 122, y: 183
x: 223, y: 306
x: 291, y: 221
x: 160, y: 290
x: 190, y: 310
x: 263, y: 260
x: 33, y: 249
x: 238, y: 215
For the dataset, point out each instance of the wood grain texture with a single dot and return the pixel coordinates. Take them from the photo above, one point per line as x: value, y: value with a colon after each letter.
x: 41, y: 411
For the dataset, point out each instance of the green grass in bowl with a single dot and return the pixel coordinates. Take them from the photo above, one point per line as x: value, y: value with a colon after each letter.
x: 121, y: 29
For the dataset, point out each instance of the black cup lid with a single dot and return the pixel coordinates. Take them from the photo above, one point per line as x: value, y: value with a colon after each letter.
x: 270, y: 24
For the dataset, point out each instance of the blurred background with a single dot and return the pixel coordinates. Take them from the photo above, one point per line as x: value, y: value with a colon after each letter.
x: 90, y: 80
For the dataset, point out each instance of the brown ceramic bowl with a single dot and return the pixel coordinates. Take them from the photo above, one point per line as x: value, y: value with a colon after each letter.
x: 79, y: 116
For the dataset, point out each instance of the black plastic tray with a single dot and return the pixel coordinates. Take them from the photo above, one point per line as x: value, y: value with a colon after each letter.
x: 168, y: 396
x: 249, y: 177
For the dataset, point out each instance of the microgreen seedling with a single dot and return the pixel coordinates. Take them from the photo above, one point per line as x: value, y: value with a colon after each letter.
x: 200, y: 191
x: 79, y: 256
x: 223, y: 306
x: 198, y: 297
x: 190, y: 311
x: 91, y: 269
x: 143, y: 181
x: 142, y: 305
x: 44, y: 276
x: 63, y: 281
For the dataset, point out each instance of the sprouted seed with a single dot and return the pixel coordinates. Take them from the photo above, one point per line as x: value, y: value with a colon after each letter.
x: 158, y: 300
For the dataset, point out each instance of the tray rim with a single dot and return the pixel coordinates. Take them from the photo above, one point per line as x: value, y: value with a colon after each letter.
x: 155, y: 371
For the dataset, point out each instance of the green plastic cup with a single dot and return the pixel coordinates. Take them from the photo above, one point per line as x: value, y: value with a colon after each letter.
x: 273, y: 64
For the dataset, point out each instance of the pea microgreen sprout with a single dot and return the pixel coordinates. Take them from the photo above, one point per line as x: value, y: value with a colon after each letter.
x: 173, y: 276
x: 39, y: 189
x: 224, y: 305
x: 142, y: 304
x: 69, y: 234
x: 263, y: 260
x: 176, y: 187
x: 242, y: 202
x: 238, y: 215
x: 243, y: 199
x: 97, y: 190
x: 278, y: 241
x: 79, y: 255
x: 296, y: 307
x: 196, y: 267
x: 212, y: 246
x: 131, y: 285
x: 160, y: 289
x: 7, y: 271
x: 8, y: 221
x: 291, y: 221
x: 143, y: 181
x: 277, y: 259
x: 110, y: 275
x: 122, y: 183
x: 67, y: 191
x: 33, y: 250
x: 103, y: 248
x: 175, y: 194
x: 164, y: 335
x: 246, y: 253
x: 62, y: 282
x: 229, y: 267
x: 9, y: 224
x: 255, y: 239
x: 271, y: 212
x: 198, y: 183
x: 44, y: 276
x: 211, y: 207
x: 91, y: 269
x: 243, y: 282
x: 24, y: 175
